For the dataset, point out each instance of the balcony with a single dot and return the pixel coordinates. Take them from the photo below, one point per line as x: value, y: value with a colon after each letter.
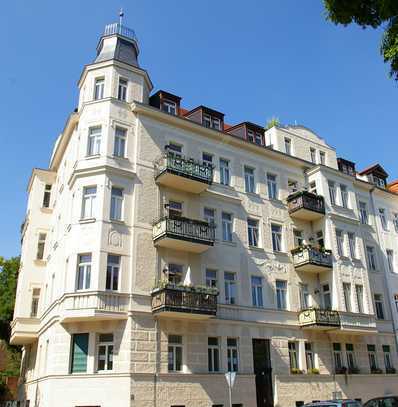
x: 24, y: 331
x: 183, y: 173
x: 311, y: 259
x: 305, y: 205
x: 319, y: 319
x: 185, y: 234
x: 357, y: 324
x: 94, y: 306
x: 184, y: 302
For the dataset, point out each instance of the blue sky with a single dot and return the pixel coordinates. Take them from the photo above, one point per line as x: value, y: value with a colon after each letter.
x: 251, y: 60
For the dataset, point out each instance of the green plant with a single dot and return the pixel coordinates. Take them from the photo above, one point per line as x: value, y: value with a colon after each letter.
x: 273, y: 121
x: 295, y: 370
x: 313, y: 371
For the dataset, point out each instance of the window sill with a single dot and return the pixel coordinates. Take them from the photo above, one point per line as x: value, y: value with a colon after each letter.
x: 87, y: 220
x: 117, y: 222
x: 92, y: 157
x: 256, y: 249
x: 276, y: 201
x: 117, y: 157
x: 40, y: 262
x: 46, y: 210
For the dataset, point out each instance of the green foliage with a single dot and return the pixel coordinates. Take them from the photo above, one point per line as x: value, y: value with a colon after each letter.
x: 8, y: 285
x: 273, y: 121
x: 13, y: 358
x: 370, y: 13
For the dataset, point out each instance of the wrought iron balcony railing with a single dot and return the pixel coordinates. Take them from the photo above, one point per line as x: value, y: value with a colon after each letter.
x: 188, y: 300
x: 304, y: 201
x: 184, y: 167
x: 191, y: 230
x: 322, y: 318
x: 308, y: 258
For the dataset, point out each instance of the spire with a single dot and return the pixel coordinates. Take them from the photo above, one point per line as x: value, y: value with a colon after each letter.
x: 118, y: 42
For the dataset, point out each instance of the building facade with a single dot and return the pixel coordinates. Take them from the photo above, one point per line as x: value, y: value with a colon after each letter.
x: 164, y: 247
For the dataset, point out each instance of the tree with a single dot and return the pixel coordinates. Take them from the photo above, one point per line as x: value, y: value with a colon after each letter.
x: 8, y: 285
x: 274, y: 121
x: 371, y: 13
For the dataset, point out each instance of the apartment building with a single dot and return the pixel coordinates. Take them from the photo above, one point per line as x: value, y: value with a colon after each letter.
x: 164, y: 247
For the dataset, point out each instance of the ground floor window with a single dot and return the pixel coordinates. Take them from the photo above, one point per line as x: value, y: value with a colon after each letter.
x: 105, y: 352
x: 175, y: 353
x: 293, y: 355
x: 79, y: 353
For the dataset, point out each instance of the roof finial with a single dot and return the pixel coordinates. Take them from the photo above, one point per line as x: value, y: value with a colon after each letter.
x: 121, y: 15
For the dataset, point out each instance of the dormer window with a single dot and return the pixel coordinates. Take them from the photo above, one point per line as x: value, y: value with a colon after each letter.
x: 211, y: 122
x: 259, y: 139
x: 379, y: 181
x: 250, y: 136
x: 169, y: 107
x: 347, y: 167
x: 250, y: 132
x: 375, y: 175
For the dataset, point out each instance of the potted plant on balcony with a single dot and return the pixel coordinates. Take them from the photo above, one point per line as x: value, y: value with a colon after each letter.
x: 376, y: 370
x: 314, y: 370
x: 391, y: 370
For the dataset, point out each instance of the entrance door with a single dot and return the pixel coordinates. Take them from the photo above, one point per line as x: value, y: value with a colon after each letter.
x: 263, y: 372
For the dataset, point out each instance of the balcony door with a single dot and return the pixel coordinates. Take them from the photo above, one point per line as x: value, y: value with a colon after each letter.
x: 263, y: 372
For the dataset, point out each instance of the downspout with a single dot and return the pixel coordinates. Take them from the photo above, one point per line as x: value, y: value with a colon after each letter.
x: 386, y: 285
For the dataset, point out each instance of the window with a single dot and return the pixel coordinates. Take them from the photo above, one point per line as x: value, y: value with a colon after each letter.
x: 292, y: 186
x: 47, y: 196
x: 395, y: 221
x: 252, y: 230
x: 276, y: 232
x: 119, y: 148
x: 84, y: 272
x: 249, y: 180
x: 211, y: 278
x: 359, y: 296
x: 313, y: 155
x: 304, y: 296
x: 257, y: 291
x: 99, y: 88
x: 309, y: 356
x: 322, y: 157
x: 379, y: 306
x: 79, y: 353
x: 363, y: 213
x: 250, y: 135
x: 390, y: 260
x: 88, y: 204
x: 112, y: 272
x: 116, y: 203
x: 94, y: 141
x: 372, y: 356
x: 387, y: 358
x: 175, y: 209
x: 259, y: 139
x: 326, y: 296
x: 213, y: 354
x: 211, y: 122
x: 122, y: 89
x: 340, y: 242
x: 224, y: 172
x: 352, y: 245
x: 344, y: 196
x: 232, y: 354
x: 207, y: 159
x: 319, y: 239
x: 350, y: 354
x: 41, y: 243
x: 175, y: 353
x: 332, y: 192
x: 209, y: 215
x: 383, y: 220
x: 347, y: 296
x: 371, y: 258
x: 35, y: 302
x: 272, y: 186
x: 169, y: 107
x: 298, y: 238
x: 174, y: 150
x: 226, y: 226
x: 281, y: 294
x: 337, y: 356
x: 293, y: 355
x: 380, y: 182
x: 288, y: 146
x: 230, y: 287
x: 312, y: 187
x: 105, y: 352
x: 174, y: 273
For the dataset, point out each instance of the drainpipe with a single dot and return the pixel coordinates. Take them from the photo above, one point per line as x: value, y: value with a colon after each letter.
x: 386, y: 285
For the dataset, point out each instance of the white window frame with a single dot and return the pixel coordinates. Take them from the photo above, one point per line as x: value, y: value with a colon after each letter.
x: 99, y: 88
x: 249, y: 175
x: 257, y: 291
x: 227, y: 226
x: 41, y: 245
x: 34, y: 306
x: 347, y: 293
x: 363, y: 213
x: 340, y: 242
x: 122, y: 89
x: 293, y: 351
x: 213, y: 355
x: 94, y: 141
x: 232, y: 355
x: 117, y: 203
x: 383, y: 219
x: 225, y: 175
x: 322, y: 157
x: 120, y: 142
x: 352, y: 244
x: 113, y: 270
x: 230, y: 288
x: 281, y: 295
x: 390, y: 260
x: 108, y: 346
x: 359, y: 298
x: 175, y: 348
x: 276, y: 237
x: 313, y: 155
x: 305, y: 298
x: 211, y: 277
x: 344, y: 196
x: 371, y: 258
x: 288, y: 145
x: 89, y: 202
x: 272, y: 186
x: 168, y: 106
x: 84, y: 269
x: 253, y: 232
x: 332, y: 192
